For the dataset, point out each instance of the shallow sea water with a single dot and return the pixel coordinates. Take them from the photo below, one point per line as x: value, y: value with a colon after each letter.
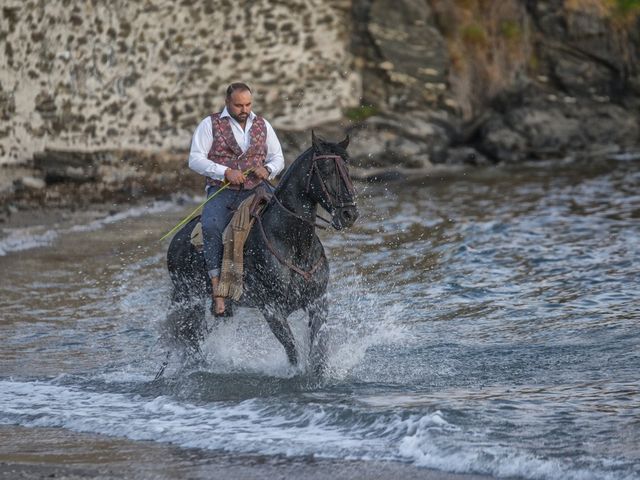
x: 481, y: 322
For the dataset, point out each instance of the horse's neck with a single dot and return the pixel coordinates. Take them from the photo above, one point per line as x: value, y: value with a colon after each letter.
x: 295, y: 217
x: 293, y: 195
x: 299, y: 205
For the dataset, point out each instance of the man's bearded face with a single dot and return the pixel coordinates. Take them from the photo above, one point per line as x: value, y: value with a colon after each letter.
x: 239, y: 105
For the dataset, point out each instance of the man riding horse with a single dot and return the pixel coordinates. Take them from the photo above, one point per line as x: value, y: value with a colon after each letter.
x: 225, y: 146
x: 285, y: 266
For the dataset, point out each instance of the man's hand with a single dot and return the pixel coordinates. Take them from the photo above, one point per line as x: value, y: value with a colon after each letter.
x: 234, y: 177
x: 262, y: 173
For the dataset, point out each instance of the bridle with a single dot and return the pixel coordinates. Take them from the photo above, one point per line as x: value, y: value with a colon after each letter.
x: 336, y: 201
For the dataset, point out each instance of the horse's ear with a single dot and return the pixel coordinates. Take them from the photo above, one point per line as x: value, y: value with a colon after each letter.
x: 315, y: 142
x: 344, y: 143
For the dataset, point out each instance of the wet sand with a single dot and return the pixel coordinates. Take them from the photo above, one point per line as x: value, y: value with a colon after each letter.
x: 36, y: 453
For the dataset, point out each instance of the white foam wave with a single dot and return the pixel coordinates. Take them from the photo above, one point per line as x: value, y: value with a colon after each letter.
x: 432, y: 442
x: 248, y: 426
x: 25, y: 239
x: 260, y: 426
x: 20, y: 239
x: 152, y: 208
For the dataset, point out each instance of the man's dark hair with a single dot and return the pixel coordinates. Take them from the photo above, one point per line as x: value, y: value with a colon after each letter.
x: 237, y: 86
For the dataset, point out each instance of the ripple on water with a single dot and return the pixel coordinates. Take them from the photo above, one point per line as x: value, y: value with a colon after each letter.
x: 482, y: 323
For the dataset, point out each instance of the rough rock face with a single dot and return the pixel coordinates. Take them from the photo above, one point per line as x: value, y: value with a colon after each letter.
x: 401, y: 53
x: 514, y: 79
x: 585, y: 51
x: 415, y: 82
x: 550, y: 129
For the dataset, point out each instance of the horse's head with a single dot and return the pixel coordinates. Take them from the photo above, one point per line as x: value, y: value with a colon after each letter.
x: 329, y: 182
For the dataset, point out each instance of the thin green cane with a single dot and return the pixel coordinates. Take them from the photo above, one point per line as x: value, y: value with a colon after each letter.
x: 190, y: 216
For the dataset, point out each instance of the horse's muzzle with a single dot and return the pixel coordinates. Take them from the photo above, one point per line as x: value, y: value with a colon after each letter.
x: 344, y: 217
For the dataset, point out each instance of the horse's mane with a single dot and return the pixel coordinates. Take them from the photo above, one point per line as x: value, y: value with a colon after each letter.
x: 326, y: 147
x: 293, y: 167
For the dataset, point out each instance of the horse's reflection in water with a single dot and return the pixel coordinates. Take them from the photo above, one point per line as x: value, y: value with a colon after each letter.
x: 285, y: 264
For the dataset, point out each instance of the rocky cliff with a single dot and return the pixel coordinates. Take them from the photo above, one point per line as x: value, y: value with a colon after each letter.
x: 416, y: 82
x: 479, y: 81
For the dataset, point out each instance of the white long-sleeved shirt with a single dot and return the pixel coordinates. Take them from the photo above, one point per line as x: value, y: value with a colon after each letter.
x: 203, y: 138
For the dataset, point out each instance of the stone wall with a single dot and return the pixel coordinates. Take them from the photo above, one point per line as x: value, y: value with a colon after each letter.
x: 89, y: 74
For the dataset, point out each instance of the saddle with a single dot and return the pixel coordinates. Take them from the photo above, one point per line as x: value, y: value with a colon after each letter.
x: 233, y: 240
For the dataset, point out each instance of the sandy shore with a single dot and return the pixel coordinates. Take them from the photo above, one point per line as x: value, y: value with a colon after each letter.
x: 36, y: 453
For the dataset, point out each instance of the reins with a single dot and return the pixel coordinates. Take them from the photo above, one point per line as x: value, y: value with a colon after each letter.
x: 294, y: 214
x: 306, y: 274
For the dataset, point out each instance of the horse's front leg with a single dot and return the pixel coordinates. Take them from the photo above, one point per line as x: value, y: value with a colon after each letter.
x: 184, y: 328
x: 277, y: 321
x: 317, y: 311
x: 186, y: 323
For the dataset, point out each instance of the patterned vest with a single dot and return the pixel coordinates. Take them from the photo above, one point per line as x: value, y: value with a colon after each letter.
x: 226, y: 151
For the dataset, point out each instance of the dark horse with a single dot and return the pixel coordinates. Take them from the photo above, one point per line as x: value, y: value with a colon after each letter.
x: 285, y: 267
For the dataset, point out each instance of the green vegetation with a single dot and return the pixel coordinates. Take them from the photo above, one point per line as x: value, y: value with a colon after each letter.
x: 510, y: 30
x: 474, y: 34
x: 624, y: 13
x: 628, y: 6
x: 360, y: 113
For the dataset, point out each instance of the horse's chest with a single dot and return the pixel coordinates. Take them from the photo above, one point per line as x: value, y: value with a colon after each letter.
x: 285, y: 288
